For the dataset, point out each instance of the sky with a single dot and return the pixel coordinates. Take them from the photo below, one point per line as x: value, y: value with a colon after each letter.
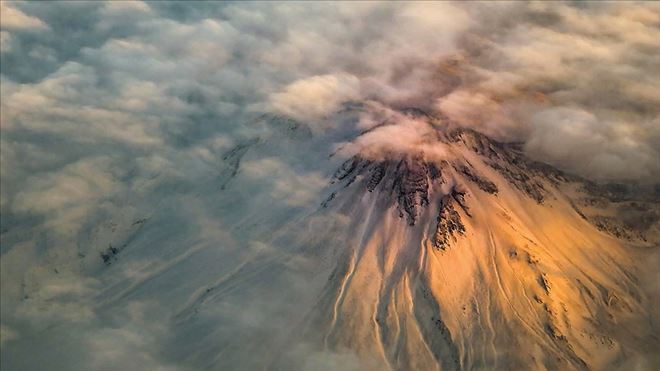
x: 112, y: 110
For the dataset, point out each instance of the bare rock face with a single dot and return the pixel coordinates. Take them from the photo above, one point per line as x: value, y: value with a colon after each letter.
x: 346, y: 169
x: 449, y: 220
x: 232, y: 161
x: 510, y: 163
x: 408, y: 182
x: 630, y: 213
x: 377, y: 174
x: 412, y: 182
x: 483, y: 183
x: 411, y: 185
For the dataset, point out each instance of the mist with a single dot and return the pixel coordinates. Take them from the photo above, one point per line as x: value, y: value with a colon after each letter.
x: 122, y: 121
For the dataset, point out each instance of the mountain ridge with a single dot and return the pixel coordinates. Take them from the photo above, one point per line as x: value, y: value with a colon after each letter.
x: 542, y: 259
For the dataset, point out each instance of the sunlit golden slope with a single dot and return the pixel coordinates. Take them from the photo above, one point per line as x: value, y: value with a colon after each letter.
x: 481, y: 260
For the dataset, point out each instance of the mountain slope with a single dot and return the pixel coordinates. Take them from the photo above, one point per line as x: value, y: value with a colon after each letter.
x: 482, y: 260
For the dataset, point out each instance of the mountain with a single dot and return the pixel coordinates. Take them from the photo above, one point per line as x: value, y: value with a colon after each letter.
x: 308, y: 248
x: 486, y: 260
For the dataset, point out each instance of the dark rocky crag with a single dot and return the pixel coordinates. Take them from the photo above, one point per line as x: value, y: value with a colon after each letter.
x: 410, y: 182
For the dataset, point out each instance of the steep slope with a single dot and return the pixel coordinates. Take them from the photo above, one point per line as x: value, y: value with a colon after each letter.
x: 482, y: 260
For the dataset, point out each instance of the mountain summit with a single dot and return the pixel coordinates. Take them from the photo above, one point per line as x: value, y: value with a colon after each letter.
x: 484, y: 259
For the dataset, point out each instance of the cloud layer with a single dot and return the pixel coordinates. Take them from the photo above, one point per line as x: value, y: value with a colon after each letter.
x: 120, y: 111
x: 578, y: 84
x: 143, y: 73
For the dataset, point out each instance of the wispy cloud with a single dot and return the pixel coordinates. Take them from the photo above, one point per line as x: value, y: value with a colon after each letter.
x: 122, y: 111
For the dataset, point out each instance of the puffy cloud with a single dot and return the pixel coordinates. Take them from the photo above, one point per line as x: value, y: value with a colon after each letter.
x: 12, y: 18
x: 479, y: 111
x: 5, y: 40
x: 391, y: 134
x: 116, y: 112
x: 125, y: 7
x: 67, y: 195
x: 593, y: 147
x: 315, y: 97
x: 284, y: 183
x: 6, y: 334
x: 525, y: 66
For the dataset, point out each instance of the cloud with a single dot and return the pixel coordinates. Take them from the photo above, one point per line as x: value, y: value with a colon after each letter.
x: 283, y: 181
x: 315, y: 97
x: 6, y: 334
x: 12, y: 19
x: 125, y: 7
x: 605, y: 148
x: 122, y: 111
x: 391, y: 135
x: 525, y: 64
x: 66, y: 196
x: 134, y: 342
x: 5, y: 41
x: 479, y: 111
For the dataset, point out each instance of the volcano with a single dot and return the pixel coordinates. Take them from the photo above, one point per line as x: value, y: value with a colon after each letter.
x: 483, y: 260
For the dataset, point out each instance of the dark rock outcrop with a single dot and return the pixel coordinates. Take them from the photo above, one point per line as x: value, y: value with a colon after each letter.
x: 483, y: 183
x: 449, y: 220
x: 232, y: 161
x: 377, y: 174
x: 411, y: 185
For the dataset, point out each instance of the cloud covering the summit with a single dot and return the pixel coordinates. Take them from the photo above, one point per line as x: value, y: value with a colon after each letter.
x: 578, y: 84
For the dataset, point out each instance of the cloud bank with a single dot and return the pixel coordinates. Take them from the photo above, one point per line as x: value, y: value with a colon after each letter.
x: 578, y: 84
x: 121, y: 111
x: 147, y: 72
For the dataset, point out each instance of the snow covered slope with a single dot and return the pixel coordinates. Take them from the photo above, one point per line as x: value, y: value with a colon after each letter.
x: 484, y: 260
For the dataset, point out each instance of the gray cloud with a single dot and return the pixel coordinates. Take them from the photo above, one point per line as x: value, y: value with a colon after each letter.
x: 578, y: 84
x: 118, y: 112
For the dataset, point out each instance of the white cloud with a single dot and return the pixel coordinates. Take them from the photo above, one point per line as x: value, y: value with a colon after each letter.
x: 585, y: 144
x: 400, y: 136
x: 12, y: 19
x: 526, y: 64
x: 126, y: 6
x: 141, y: 102
x: 5, y: 41
x: 6, y: 334
x: 284, y: 183
x: 315, y: 97
x: 66, y: 197
x: 479, y: 111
